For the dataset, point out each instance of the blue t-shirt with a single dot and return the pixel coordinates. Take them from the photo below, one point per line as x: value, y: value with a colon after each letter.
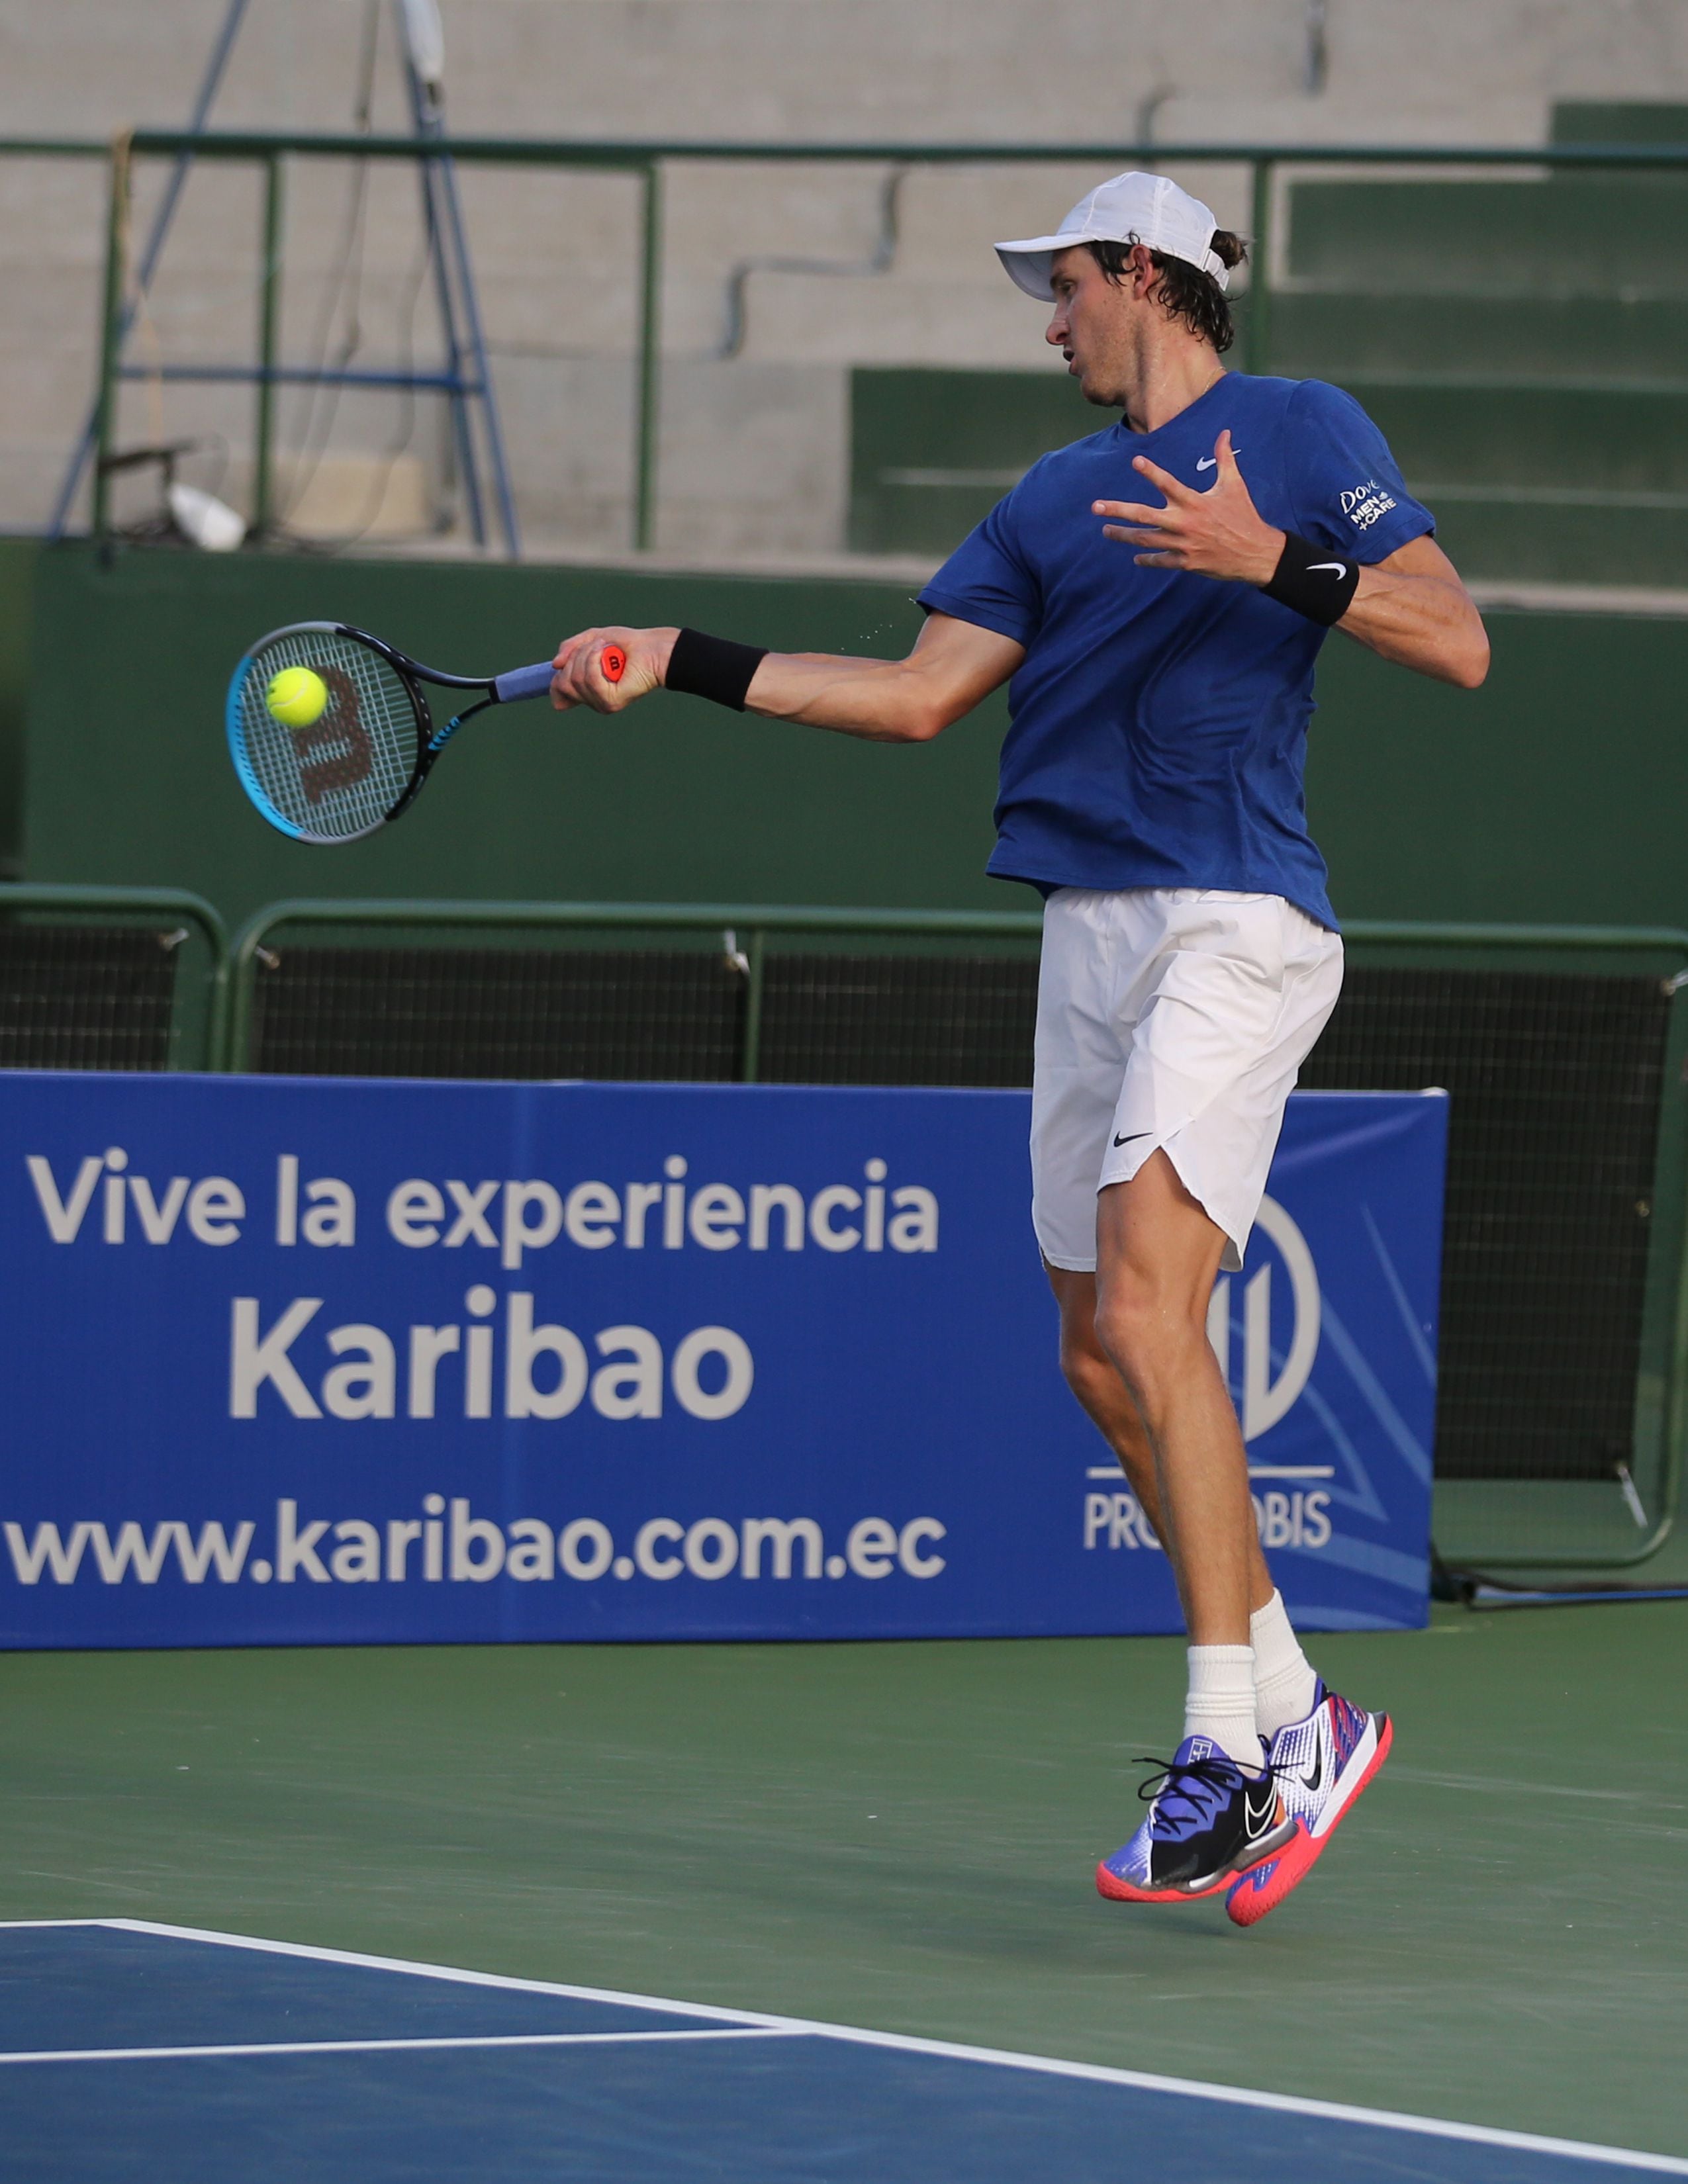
x: 1159, y: 720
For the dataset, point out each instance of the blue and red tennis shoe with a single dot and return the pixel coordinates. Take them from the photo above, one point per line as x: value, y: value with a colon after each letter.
x: 1211, y: 1826
x: 1209, y: 1823
x: 1319, y: 1765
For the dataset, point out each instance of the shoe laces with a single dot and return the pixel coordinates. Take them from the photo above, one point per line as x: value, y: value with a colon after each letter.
x: 1214, y: 1776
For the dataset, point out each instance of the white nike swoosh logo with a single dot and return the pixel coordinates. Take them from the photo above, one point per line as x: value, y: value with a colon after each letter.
x: 1209, y: 462
x: 1340, y: 567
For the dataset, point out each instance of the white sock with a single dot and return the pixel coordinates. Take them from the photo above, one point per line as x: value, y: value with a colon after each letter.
x: 1220, y: 1705
x: 1284, y: 1682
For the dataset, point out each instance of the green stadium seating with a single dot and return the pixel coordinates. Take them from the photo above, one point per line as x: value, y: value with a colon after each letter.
x: 1521, y: 338
x: 1636, y: 121
x: 932, y: 451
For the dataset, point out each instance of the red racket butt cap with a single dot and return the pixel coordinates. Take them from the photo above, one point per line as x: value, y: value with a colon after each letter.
x: 613, y: 663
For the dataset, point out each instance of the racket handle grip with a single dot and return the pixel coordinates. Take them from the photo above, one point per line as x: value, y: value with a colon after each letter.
x: 524, y: 682
x: 534, y: 682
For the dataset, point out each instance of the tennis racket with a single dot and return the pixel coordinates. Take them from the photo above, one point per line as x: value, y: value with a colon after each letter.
x: 362, y: 760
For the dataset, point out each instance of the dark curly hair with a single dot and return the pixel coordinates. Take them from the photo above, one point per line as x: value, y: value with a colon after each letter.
x: 1185, y: 290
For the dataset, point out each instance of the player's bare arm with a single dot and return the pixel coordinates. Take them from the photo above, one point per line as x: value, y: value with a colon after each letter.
x: 954, y: 665
x: 1409, y: 608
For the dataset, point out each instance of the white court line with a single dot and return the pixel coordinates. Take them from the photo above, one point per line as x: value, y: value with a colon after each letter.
x: 392, y: 2046
x: 1471, y: 2134
x: 26, y: 1925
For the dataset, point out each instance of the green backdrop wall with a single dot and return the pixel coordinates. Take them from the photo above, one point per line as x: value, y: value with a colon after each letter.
x: 1559, y: 791
x: 17, y: 595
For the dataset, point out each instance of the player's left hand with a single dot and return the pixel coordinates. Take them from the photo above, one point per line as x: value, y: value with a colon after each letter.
x: 1218, y: 533
x: 580, y: 679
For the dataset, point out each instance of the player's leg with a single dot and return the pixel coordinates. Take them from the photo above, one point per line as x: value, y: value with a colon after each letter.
x: 1232, y: 994
x: 1158, y: 1252
x: 1103, y: 1396
x: 1286, y: 1685
x: 1216, y: 1813
x: 1097, y: 1388
x: 1291, y: 1700
x: 1100, y: 960
x: 1322, y: 1749
x: 1097, y: 974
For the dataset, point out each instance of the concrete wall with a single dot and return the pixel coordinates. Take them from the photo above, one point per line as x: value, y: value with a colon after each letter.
x: 1553, y: 794
x: 754, y: 445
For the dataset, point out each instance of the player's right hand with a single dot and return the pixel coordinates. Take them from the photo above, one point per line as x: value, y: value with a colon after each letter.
x: 579, y: 679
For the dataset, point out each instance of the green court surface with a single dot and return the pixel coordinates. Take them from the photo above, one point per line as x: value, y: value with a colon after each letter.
x: 902, y: 1836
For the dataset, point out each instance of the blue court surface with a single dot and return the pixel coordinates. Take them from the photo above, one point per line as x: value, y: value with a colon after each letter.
x: 135, y: 2050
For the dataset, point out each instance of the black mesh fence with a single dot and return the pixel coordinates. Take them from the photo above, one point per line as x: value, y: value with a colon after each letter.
x: 86, y: 996
x: 516, y: 1012
x: 1556, y: 1082
x: 898, y: 1019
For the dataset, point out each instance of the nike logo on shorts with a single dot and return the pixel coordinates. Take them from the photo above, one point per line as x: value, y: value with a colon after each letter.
x: 1132, y: 1136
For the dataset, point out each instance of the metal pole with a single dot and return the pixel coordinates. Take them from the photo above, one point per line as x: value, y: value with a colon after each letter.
x: 650, y: 361
x: 750, y: 1063
x: 477, y: 345
x: 111, y: 330
x: 1256, y: 332
x: 428, y: 128
x: 269, y: 311
x: 462, y: 430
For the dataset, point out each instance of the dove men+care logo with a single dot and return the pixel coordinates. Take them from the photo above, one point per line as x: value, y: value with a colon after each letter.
x: 1364, y: 504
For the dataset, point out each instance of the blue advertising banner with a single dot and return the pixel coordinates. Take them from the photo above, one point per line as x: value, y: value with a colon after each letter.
x: 306, y: 1360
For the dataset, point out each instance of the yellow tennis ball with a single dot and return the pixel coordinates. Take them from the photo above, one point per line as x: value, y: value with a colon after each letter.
x: 296, y: 697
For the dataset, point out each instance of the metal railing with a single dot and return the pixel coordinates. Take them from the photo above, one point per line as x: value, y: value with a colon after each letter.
x: 745, y: 930
x: 197, y: 1036
x: 644, y: 161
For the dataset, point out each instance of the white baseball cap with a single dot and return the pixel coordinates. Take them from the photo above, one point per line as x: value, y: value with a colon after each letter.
x: 1144, y: 208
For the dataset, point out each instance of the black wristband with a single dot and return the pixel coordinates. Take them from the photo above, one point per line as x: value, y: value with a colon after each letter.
x: 712, y: 667
x: 1315, y: 583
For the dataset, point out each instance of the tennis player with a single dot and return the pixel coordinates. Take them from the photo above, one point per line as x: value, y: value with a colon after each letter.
x: 1155, y: 597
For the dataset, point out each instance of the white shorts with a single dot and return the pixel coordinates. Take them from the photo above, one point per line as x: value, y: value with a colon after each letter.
x: 1174, y: 1018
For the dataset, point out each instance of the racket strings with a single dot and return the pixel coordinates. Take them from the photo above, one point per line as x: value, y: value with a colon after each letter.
x: 340, y: 776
